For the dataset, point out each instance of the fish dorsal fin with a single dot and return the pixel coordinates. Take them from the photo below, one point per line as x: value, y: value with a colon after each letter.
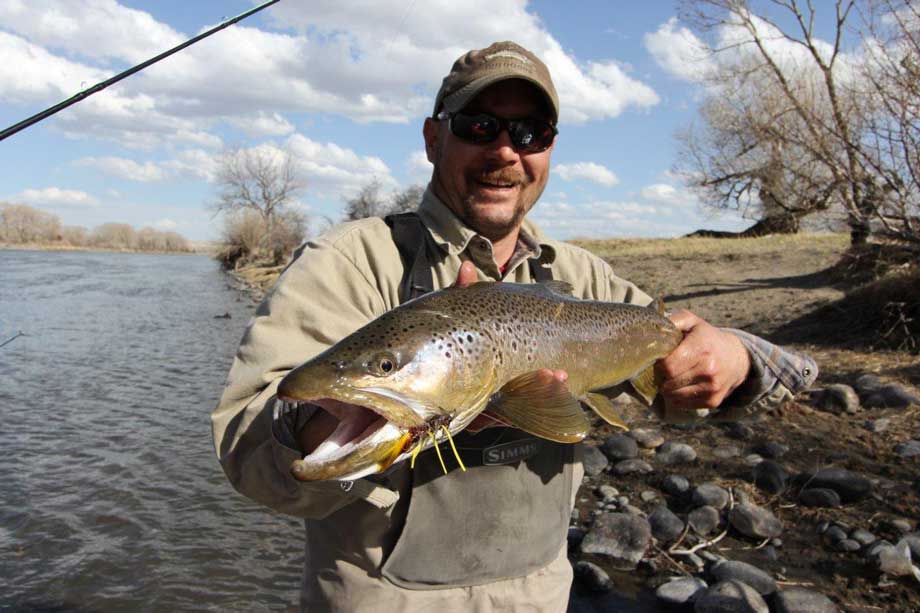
x: 601, y: 405
x: 646, y: 384
x: 657, y: 305
x: 540, y: 405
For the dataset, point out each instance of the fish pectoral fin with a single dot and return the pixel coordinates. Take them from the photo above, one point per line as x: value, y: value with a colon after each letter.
x: 602, y: 405
x: 646, y: 384
x: 541, y: 406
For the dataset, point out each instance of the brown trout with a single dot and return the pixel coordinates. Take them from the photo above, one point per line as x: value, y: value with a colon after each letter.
x: 424, y: 370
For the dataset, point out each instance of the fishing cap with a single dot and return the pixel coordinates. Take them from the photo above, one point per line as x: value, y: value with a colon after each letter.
x: 477, y: 69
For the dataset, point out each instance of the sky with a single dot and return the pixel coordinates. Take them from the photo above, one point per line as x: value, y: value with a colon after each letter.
x: 344, y: 86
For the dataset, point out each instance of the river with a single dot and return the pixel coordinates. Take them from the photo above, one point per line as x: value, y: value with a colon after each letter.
x: 111, y: 498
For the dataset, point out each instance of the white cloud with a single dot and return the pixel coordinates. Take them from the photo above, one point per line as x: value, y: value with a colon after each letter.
x: 419, y: 167
x: 101, y: 29
x: 369, y: 61
x: 679, y: 52
x: 589, y: 171
x: 332, y: 171
x: 55, y: 196
x: 165, y: 224
x: 126, y: 169
x: 263, y: 124
x: 666, y: 194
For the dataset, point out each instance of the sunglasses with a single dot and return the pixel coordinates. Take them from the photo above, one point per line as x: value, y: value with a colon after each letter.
x: 527, y: 135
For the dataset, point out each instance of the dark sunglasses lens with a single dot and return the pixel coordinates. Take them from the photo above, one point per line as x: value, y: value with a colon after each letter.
x: 475, y: 128
x: 531, y: 135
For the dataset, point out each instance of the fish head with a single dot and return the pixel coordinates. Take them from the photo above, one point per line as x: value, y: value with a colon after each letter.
x: 412, y: 371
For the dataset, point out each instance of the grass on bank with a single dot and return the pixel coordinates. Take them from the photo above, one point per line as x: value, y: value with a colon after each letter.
x: 692, y: 247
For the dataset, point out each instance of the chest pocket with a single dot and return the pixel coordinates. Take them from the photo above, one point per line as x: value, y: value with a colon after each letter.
x: 492, y: 522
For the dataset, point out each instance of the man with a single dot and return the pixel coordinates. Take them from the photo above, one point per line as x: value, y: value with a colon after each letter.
x: 493, y: 537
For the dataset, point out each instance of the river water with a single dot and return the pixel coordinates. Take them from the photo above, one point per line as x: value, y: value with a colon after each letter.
x: 111, y: 498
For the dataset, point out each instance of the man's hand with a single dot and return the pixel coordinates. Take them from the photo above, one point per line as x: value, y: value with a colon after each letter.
x: 467, y: 276
x: 705, y: 368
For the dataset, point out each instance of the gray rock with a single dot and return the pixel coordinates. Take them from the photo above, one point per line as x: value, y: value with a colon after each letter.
x: 873, y: 550
x: 608, y: 493
x: 852, y: 487
x: 909, y: 449
x: 740, y: 431
x: 866, y: 384
x: 680, y: 591
x: 753, y: 459
x: 594, y: 461
x: 745, y: 573
x: 835, y: 534
x: 822, y: 527
x: 770, y: 450
x: 730, y: 597
x: 675, y: 485
x: 877, y: 425
x: 704, y: 520
x: 623, y: 500
x: 592, y: 576
x: 626, y: 467
x: 863, y: 537
x: 848, y: 545
x: 628, y: 508
x: 755, y: 522
x: 710, y: 494
x: 675, y: 453
x: 620, y: 537
x: 800, y: 600
x: 666, y: 526
x: 575, y: 537
x: 770, y: 477
x: 648, y: 438
x: 648, y: 495
x: 837, y: 398
x: 820, y: 497
x: 726, y: 452
x: 695, y: 561
x: 913, y: 542
x: 902, y: 525
x: 895, y: 560
x: 890, y: 396
x: 620, y: 447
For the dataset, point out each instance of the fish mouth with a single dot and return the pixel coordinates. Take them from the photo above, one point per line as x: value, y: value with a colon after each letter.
x: 347, y: 441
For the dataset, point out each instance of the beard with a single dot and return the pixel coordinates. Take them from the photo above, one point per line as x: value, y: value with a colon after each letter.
x: 496, y: 220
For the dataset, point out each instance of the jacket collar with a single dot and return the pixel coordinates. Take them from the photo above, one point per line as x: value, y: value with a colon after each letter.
x: 453, y: 236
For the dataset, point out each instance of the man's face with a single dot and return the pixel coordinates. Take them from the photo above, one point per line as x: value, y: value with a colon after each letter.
x: 490, y: 186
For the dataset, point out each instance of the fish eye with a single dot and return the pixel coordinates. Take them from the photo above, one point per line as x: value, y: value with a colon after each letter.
x: 383, y: 364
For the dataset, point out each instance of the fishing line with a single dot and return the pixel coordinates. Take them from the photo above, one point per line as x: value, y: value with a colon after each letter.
x: 25, y: 123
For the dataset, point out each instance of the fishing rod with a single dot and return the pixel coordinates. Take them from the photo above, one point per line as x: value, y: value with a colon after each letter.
x: 12, y: 338
x: 25, y: 123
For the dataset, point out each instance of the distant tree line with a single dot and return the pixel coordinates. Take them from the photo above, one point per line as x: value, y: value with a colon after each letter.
x: 371, y: 202
x: 21, y: 224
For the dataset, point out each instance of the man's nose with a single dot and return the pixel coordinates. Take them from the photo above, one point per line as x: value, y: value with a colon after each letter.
x: 502, y: 148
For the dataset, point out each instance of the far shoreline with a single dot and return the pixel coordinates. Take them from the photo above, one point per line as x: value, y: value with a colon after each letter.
x: 87, y: 249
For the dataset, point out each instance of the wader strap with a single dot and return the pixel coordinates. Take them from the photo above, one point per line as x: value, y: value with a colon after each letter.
x: 418, y: 253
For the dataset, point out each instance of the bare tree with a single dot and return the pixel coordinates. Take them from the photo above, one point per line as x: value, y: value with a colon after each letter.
x: 367, y: 203
x: 370, y: 203
x: 265, y: 183
x: 21, y: 223
x: 797, y: 115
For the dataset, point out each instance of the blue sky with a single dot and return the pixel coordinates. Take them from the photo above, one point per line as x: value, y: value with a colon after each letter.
x: 344, y: 86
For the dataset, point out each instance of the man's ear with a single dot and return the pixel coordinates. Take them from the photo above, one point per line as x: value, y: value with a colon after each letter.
x: 431, y: 131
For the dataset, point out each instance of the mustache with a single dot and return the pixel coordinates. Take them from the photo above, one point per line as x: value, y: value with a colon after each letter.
x: 500, y: 175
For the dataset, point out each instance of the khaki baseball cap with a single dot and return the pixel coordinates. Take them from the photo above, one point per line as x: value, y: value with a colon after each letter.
x: 477, y: 69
